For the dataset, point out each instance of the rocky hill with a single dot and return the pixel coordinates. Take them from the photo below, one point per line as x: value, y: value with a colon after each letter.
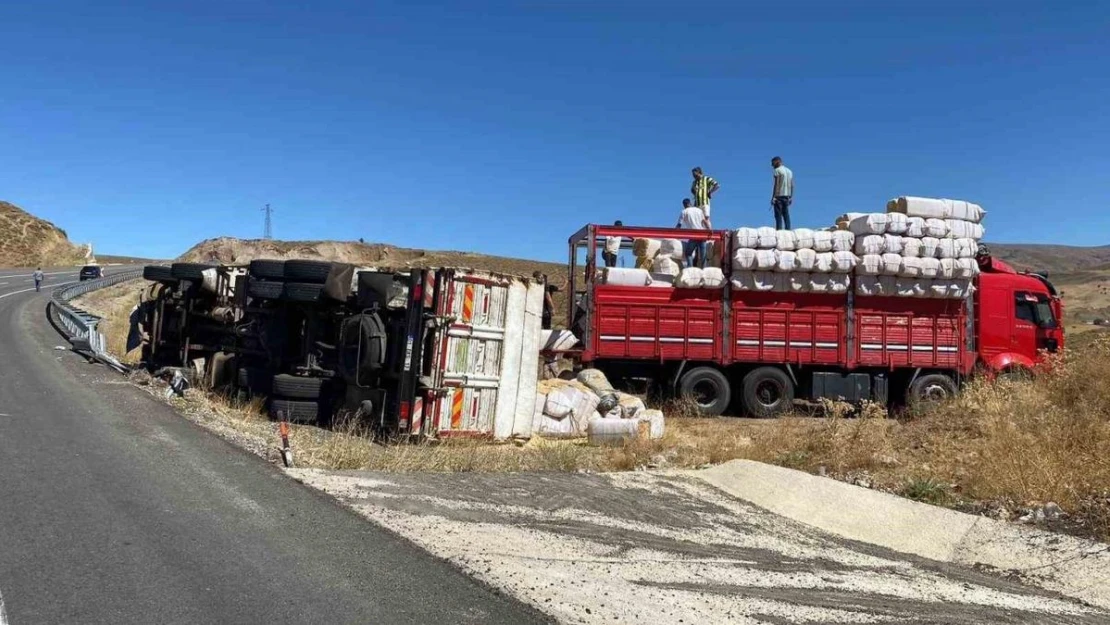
x: 1052, y: 258
x: 27, y: 241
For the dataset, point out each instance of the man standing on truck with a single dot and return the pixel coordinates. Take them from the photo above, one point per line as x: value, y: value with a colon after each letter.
x: 548, y: 301
x: 612, y: 247
x: 693, y: 218
x: 782, y: 193
x: 703, y: 189
x: 38, y: 276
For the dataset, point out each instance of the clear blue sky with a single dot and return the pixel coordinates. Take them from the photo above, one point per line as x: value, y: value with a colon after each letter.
x: 498, y: 128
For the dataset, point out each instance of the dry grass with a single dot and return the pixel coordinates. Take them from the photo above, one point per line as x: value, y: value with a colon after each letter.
x: 113, y: 305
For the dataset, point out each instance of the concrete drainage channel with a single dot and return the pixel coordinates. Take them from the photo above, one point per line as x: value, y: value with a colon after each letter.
x: 79, y: 326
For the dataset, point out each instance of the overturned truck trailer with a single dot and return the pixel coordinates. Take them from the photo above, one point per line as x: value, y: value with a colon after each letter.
x: 421, y: 352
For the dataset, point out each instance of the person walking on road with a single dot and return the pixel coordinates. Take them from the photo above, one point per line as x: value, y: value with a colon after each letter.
x: 693, y: 218
x: 38, y: 276
x: 612, y: 247
x: 782, y: 193
x: 703, y: 189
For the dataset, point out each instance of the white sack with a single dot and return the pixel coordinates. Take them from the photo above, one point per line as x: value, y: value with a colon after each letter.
x: 743, y: 281
x: 844, y: 220
x: 766, y: 280
x: 909, y: 287
x: 690, y: 278
x: 671, y: 248
x: 892, y: 264
x: 609, y: 431
x: 560, y: 402
x: 869, y: 286
x: 654, y: 419
x: 798, y: 282
x: 662, y: 280
x: 623, y: 276
x: 666, y: 266
x: 842, y: 241
x: 911, y: 248
x: 786, y: 240
x: 823, y: 263
x: 960, y: 289
x: 818, y: 283
x: 898, y: 223
x: 839, y: 283
x: 713, y: 278
x: 948, y: 268
x: 595, y: 380
x: 959, y: 229
x: 892, y: 244
x: 766, y: 260
x: 911, y: 267
x: 823, y: 241
x: 807, y: 259
x: 870, y: 265
x: 936, y: 228
x: 871, y: 223
x: 803, y: 239
x: 743, y: 258
x: 870, y: 244
x: 630, y: 405
x: 915, y: 227
x: 937, y: 289
x: 946, y: 248
x: 936, y: 208
x: 767, y: 238
x: 966, y: 248
x: 929, y: 247
x: 788, y: 261
x: 930, y: 268
x: 558, y: 340
x: 646, y: 248
x: 967, y: 268
x: 747, y: 237
x: 843, y: 262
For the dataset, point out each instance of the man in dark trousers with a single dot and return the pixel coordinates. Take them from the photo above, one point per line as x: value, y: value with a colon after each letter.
x: 38, y: 276
x: 782, y: 193
x: 612, y: 247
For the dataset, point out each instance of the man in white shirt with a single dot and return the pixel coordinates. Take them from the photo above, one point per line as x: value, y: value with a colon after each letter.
x: 693, y: 218
x: 612, y: 247
x: 782, y: 193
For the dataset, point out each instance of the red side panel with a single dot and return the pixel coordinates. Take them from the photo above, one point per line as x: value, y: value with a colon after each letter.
x: 903, y: 332
x: 794, y: 328
x: 658, y: 323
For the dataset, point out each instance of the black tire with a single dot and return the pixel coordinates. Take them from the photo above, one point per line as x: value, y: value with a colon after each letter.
x: 296, y: 387
x: 302, y: 292
x: 709, y: 388
x: 931, y: 388
x: 1015, y: 375
x: 256, y: 380
x: 294, y: 411
x: 767, y: 392
x: 189, y: 271
x: 156, y: 273
x: 267, y: 269
x: 262, y: 289
x: 312, y: 271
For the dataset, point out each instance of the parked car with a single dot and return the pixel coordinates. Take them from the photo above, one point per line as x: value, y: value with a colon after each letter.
x: 91, y: 272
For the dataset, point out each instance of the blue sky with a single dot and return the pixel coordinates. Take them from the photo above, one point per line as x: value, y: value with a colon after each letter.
x: 503, y: 127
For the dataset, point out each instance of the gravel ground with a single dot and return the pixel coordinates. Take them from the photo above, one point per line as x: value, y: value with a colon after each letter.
x: 657, y: 548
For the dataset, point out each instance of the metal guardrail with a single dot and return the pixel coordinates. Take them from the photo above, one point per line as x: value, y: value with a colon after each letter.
x: 81, y: 326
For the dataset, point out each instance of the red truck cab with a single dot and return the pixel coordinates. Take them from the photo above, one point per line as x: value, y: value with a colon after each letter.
x: 759, y: 351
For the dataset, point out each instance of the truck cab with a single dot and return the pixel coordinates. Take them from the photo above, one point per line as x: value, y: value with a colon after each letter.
x: 1019, y: 318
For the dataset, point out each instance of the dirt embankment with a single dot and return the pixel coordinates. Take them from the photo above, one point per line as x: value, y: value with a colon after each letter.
x: 27, y: 241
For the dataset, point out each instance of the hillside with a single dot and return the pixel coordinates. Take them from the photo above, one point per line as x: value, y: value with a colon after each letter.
x: 27, y: 241
x: 1052, y: 258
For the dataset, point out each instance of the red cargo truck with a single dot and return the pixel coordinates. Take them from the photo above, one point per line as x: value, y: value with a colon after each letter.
x: 763, y: 350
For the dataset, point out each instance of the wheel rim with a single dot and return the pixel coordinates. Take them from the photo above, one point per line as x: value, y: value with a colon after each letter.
x: 705, y: 392
x: 934, y: 393
x: 768, y: 393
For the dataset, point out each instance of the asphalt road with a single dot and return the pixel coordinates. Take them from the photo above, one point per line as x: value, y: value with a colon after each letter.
x: 113, y: 509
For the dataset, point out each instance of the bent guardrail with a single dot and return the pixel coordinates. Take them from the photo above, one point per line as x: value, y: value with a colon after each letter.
x: 79, y: 325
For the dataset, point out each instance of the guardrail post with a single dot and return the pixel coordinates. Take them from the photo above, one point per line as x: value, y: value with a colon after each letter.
x: 80, y: 326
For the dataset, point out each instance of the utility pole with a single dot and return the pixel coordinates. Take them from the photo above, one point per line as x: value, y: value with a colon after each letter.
x: 268, y: 231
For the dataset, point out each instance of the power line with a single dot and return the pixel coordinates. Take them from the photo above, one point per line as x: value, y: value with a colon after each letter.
x: 268, y: 231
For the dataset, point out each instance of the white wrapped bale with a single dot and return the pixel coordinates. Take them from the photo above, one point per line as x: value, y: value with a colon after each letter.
x: 713, y: 278
x: 690, y: 278
x: 946, y: 248
x: 666, y: 266
x: 767, y: 239
x: 892, y: 244
x: 966, y: 268
x: 930, y: 268
x: 870, y: 244
x: 947, y: 268
x: 823, y: 241
x: 803, y: 239
x: 915, y: 227
x: 671, y: 248
x: 871, y: 223
x: 843, y: 262
x: 843, y: 221
x: 662, y: 280
x: 898, y: 224
x: 798, y: 282
x: 630, y: 405
x: 839, y: 283
x: 842, y: 241
x: 929, y: 247
x: 959, y: 229
x: 807, y: 259
x: 818, y: 283
x: 766, y: 260
x: 786, y: 241
x: 909, y: 287
x: 938, y: 289
x: 892, y: 264
x: 966, y: 248
x: 595, y: 380
x: 743, y: 281
x: 823, y: 263
x: 870, y: 286
x: 936, y: 208
x: 624, y: 276
x: 911, y: 267
x: 713, y: 253
x: 653, y: 419
x: 960, y: 289
x: 646, y: 248
x: 747, y: 237
x: 870, y: 265
x: 767, y: 280
x: 743, y: 258
x: 788, y: 261
x: 936, y: 228
x: 911, y: 248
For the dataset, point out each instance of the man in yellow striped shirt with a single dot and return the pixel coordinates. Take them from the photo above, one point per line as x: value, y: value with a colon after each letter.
x: 703, y: 189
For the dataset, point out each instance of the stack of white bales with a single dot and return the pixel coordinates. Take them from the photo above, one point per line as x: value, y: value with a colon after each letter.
x: 920, y: 247
x: 663, y: 259
x: 799, y: 261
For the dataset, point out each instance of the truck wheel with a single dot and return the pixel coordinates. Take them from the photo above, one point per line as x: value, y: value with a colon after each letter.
x: 156, y: 273
x: 306, y: 412
x: 929, y: 389
x: 189, y: 271
x: 312, y: 271
x: 267, y: 269
x: 301, y: 292
x: 767, y: 392
x: 296, y: 387
x: 254, y: 379
x: 261, y: 289
x: 1015, y: 375
x: 709, y: 388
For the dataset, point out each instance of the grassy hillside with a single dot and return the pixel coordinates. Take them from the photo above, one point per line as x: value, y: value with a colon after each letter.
x: 27, y: 241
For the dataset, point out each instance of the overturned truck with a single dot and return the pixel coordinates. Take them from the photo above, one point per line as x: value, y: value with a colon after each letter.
x: 419, y: 352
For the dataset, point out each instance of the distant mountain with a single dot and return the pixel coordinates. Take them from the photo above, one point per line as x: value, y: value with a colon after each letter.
x: 27, y: 241
x: 1052, y: 258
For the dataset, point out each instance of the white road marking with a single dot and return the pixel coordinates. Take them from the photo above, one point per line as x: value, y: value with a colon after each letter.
x: 3, y: 614
x: 29, y: 290
x: 3, y: 283
x: 28, y: 275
